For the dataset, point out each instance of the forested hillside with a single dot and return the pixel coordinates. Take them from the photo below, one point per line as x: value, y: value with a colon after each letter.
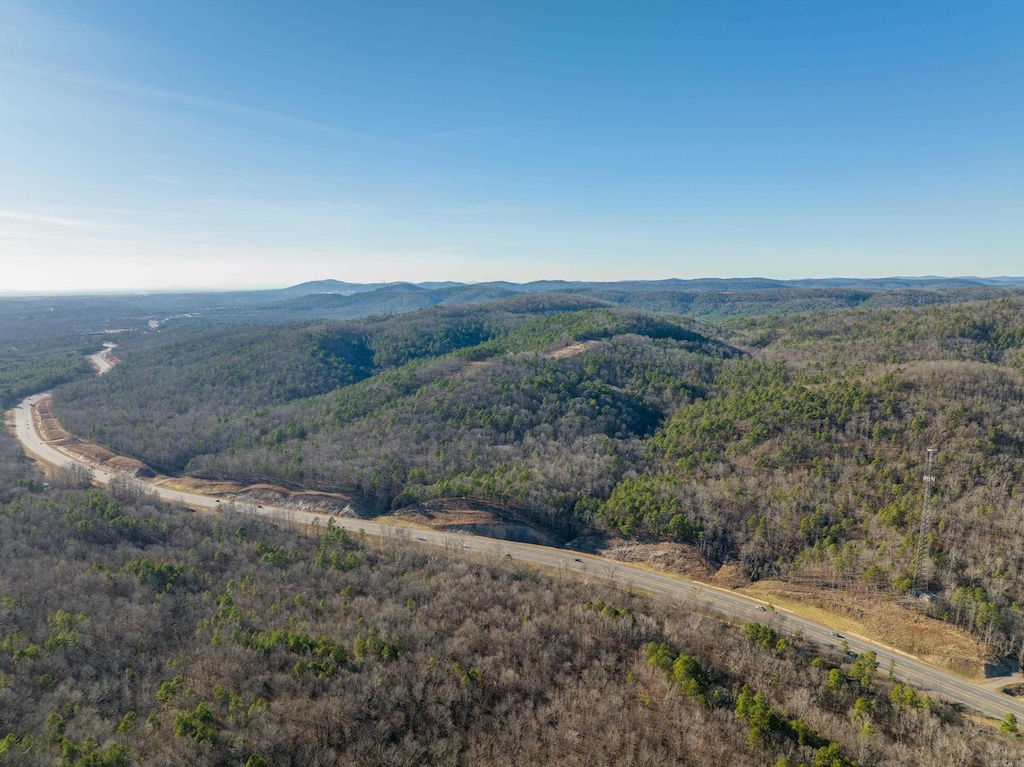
x: 38, y: 349
x: 714, y: 300
x: 442, y: 392
x: 791, y: 447
x: 133, y: 633
x: 26, y: 374
x: 43, y: 338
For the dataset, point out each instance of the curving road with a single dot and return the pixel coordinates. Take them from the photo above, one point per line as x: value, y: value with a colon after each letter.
x: 936, y: 682
x: 103, y: 360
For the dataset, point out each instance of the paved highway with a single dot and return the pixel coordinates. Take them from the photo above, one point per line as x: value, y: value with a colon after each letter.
x: 936, y: 682
x: 101, y: 360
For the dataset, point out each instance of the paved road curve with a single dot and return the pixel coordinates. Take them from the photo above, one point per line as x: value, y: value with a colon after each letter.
x: 102, y: 360
x: 937, y: 682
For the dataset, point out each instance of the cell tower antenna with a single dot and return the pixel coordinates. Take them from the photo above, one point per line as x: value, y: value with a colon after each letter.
x: 923, y: 563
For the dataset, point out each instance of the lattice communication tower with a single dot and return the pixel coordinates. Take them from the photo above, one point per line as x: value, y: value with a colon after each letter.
x: 923, y: 563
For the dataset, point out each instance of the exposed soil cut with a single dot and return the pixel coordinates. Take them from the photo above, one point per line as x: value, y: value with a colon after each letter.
x: 94, y: 455
x: 730, y: 576
x: 307, y: 500
x: 338, y: 504
x: 668, y: 557
x: 459, y: 515
x: 201, y: 486
x: 102, y: 458
x: 49, y: 427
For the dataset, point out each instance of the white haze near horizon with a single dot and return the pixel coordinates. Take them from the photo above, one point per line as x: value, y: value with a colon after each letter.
x: 147, y: 145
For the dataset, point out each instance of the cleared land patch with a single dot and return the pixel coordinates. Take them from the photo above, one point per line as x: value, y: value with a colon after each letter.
x: 931, y: 640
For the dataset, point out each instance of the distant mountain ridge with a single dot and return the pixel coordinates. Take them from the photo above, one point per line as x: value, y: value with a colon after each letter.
x: 672, y: 284
x: 713, y: 298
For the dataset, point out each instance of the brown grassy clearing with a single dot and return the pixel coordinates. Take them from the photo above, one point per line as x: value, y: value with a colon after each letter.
x: 571, y: 350
x: 883, y: 621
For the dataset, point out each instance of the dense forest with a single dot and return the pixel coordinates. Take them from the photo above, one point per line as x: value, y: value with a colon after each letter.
x: 420, y: 422
x: 729, y: 298
x: 132, y: 632
x: 791, y: 445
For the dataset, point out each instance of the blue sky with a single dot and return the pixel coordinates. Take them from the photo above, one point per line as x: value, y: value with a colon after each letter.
x: 147, y: 144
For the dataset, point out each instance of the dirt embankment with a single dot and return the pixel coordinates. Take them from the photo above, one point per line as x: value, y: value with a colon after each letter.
x: 257, y: 495
x: 94, y: 455
x: 47, y: 423
x: 460, y: 515
x: 337, y: 504
x: 307, y: 500
x: 666, y: 557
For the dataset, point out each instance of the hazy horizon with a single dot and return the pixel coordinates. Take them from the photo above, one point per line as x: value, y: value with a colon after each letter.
x: 29, y: 293
x: 145, y: 145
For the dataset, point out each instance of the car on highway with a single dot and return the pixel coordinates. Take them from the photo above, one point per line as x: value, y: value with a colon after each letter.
x: 836, y: 635
x: 577, y: 559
